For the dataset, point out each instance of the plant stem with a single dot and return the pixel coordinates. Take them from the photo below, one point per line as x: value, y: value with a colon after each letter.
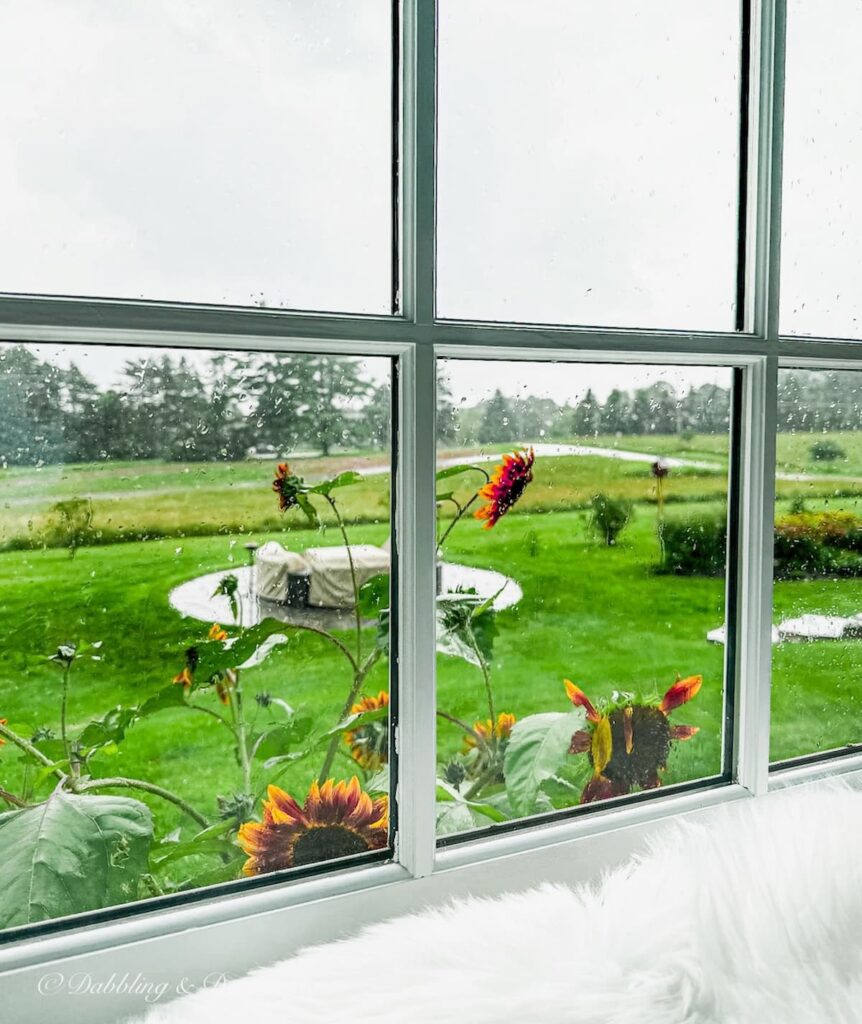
x: 462, y: 509
x: 146, y: 787
x: 327, y: 636
x: 28, y: 748
x: 343, y: 530
x: 487, y: 776
x: 63, y: 701
x: 241, y: 738
x: 480, y: 740
x: 10, y: 798
x: 358, y: 680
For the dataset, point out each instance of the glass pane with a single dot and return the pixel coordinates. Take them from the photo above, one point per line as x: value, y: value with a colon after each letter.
x: 817, y: 653
x: 588, y: 162
x: 821, y: 256
x: 211, y: 152
x: 576, y: 624
x: 171, y: 622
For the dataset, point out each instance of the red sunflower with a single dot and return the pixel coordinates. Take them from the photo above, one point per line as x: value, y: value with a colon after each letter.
x: 337, y: 820
x: 287, y: 485
x: 628, y: 744
x: 369, y: 744
x: 508, y: 482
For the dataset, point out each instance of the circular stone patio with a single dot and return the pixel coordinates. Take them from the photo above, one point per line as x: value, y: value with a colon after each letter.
x: 197, y: 598
x: 806, y: 628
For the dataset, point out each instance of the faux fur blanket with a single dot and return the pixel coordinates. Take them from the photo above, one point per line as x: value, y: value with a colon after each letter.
x: 753, y: 918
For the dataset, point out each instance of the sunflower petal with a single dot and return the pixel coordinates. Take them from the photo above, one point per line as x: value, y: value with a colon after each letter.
x: 577, y: 696
x: 683, y: 732
x: 581, y: 742
x: 680, y: 693
x: 598, y: 788
x: 602, y: 745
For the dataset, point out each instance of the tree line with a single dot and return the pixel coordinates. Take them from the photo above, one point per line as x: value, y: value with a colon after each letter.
x: 229, y: 407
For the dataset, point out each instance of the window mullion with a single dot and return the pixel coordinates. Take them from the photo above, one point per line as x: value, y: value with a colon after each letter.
x: 770, y: 136
x: 417, y: 594
x: 754, y: 616
x: 418, y: 158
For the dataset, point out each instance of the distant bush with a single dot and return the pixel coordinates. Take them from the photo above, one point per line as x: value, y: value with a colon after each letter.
x: 827, y: 451
x: 807, y: 544
x: 695, y: 546
x: 610, y: 516
x: 70, y: 524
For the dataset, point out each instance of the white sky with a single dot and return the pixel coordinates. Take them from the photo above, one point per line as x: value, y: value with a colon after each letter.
x: 226, y: 151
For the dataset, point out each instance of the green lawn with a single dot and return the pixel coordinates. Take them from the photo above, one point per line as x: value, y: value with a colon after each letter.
x: 600, y: 616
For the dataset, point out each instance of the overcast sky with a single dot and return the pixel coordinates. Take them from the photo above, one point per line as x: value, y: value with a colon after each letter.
x: 238, y: 152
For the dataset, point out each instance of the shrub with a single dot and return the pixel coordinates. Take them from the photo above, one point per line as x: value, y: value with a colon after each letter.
x: 70, y: 524
x: 610, y: 516
x: 695, y: 546
x: 826, y: 451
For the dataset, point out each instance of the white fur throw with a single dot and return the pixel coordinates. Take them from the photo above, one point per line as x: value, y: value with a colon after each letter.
x: 755, y: 918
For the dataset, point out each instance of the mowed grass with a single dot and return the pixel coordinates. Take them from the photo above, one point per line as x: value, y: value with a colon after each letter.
x: 600, y: 616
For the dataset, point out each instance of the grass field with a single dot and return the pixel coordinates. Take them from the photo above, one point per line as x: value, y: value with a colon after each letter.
x: 598, y: 615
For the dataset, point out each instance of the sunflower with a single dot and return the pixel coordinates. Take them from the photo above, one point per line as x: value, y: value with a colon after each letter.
x: 369, y: 744
x: 287, y: 485
x: 507, y: 484
x: 628, y: 744
x: 501, y: 731
x: 3, y: 721
x: 337, y: 820
x: 216, y: 632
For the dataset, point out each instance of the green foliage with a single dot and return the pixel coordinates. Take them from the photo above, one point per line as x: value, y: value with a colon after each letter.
x: 827, y: 450
x: 538, y: 748
x: 610, y: 516
x: 695, y: 546
x: 70, y: 524
x: 71, y: 854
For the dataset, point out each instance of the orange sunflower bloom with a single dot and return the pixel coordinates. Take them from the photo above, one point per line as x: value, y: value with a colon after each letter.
x: 216, y: 632
x: 369, y: 744
x: 337, y: 820
x: 502, y: 730
x: 3, y: 721
x: 508, y: 482
x: 185, y: 678
x: 628, y: 745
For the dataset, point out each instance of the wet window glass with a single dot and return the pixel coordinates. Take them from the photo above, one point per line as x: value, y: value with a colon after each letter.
x: 206, y: 152
x: 194, y: 575
x: 817, y: 625
x: 588, y: 162
x: 582, y: 524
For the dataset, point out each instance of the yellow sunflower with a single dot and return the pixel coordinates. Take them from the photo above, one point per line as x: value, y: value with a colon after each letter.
x: 369, y: 744
x: 508, y: 482
x: 337, y: 820
x: 502, y: 730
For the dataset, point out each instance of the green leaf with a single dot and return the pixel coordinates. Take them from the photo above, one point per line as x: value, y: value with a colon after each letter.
x: 166, y: 854
x: 537, y: 749
x: 374, y: 596
x: 453, y: 817
x: 281, y: 739
x: 110, y: 728
x: 444, y: 474
x: 214, y: 656
x: 466, y: 626
x: 447, y: 792
x: 71, y: 854
x: 309, y: 509
x: 342, y: 480
x: 171, y: 696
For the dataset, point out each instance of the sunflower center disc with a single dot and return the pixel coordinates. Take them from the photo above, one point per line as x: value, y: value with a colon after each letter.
x: 327, y: 843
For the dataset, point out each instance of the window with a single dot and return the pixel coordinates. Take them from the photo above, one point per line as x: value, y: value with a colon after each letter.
x: 210, y: 153
x: 544, y: 248
x: 604, y: 533
x: 821, y: 253
x: 818, y: 564
x: 193, y: 640
x: 578, y: 195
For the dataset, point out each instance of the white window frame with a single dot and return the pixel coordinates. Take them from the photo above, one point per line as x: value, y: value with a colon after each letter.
x: 268, y: 923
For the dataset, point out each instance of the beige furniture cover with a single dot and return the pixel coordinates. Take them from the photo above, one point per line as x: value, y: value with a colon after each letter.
x: 331, y: 586
x: 272, y: 565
